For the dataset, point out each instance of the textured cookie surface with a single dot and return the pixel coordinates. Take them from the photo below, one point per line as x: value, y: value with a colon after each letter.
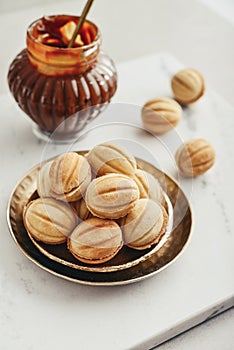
x: 188, y: 86
x: 111, y: 158
x: 161, y: 115
x: 144, y: 225
x: 111, y: 196
x: 43, y: 180
x: 148, y: 186
x: 95, y: 240
x: 70, y: 175
x: 195, y: 157
x: 49, y: 220
x: 81, y: 209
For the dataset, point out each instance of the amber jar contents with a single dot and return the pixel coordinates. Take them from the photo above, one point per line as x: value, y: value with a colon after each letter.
x: 62, y: 89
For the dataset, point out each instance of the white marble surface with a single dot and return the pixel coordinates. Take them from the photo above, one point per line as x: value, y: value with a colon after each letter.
x: 224, y: 8
x: 202, y: 39
x: 214, y: 334
x: 199, y: 284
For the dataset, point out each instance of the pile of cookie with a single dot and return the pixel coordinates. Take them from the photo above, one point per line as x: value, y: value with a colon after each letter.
x: 162, y: 114
x: 96, y: 203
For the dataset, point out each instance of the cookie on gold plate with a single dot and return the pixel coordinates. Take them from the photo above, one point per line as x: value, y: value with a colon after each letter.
x: 95, y: 241
x: 111, y: 196
x: 148, y: 186
x: 48, y: 220
x: 70, y: 175
x: 81, y: 209
x: 144, y: 225
x: 109, y: 157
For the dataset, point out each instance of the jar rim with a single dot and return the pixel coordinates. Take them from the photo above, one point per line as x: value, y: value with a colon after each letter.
x: 96, y: 41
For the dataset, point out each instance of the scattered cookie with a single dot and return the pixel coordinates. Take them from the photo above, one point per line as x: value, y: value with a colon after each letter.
x: 188, y: 86
x: 195, y: 157
x: 161, y: 115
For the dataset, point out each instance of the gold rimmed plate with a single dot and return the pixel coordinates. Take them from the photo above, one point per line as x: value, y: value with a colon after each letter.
x: 129, y: 265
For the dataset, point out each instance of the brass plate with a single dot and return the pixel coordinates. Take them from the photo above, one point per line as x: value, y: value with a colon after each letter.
x: 129, y: 265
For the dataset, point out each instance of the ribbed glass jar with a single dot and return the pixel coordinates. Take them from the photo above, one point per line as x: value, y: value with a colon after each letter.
x: 62, y: 88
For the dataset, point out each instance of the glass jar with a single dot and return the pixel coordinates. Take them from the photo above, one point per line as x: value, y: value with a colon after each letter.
x: 62, y: 89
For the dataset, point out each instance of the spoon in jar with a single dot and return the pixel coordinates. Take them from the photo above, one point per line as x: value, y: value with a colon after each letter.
x: 80, y: 22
